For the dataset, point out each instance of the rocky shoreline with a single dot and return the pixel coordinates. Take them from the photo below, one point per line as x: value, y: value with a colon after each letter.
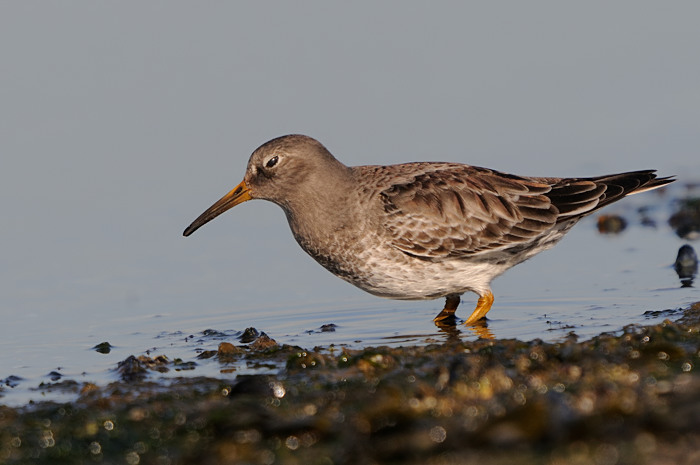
x: 629, y: 397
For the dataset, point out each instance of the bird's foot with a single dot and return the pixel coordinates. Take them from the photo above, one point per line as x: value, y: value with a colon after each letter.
x: 483, y: 306
x: 447, y: 316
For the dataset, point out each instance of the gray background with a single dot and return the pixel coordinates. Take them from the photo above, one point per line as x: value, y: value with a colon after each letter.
x: 120, y: 122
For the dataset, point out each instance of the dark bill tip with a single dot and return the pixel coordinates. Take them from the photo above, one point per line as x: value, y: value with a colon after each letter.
x: 239, y: 194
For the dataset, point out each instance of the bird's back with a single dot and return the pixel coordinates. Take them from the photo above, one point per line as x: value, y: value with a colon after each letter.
x: 447, y: 210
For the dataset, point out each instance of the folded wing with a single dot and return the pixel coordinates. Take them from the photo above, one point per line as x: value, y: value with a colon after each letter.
x: 461, y: 210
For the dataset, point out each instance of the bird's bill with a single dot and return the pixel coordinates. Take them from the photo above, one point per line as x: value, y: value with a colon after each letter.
x: 239, y: 194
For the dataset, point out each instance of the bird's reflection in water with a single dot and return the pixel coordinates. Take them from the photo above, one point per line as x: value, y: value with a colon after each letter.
x: 686, y: 265
x: 456, y: 331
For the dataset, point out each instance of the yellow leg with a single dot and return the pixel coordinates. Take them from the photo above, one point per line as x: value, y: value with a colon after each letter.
x: 451, y: 303
x: 482, y: 308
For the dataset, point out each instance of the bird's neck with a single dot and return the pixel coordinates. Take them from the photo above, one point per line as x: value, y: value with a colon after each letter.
x: 320, y: 216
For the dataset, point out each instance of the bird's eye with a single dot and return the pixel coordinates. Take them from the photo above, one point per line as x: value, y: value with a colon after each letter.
x: 272, y: 161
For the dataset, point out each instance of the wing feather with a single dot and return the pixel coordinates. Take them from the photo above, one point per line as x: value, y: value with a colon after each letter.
x: 462, y: 210
x: 440, y: 210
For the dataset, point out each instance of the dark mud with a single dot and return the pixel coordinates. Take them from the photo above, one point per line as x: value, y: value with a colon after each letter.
x: 627, y: 398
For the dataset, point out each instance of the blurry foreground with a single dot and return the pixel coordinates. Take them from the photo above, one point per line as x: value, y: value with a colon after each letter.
x: 615, y: 399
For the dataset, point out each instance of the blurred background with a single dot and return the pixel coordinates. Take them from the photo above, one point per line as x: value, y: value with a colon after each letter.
x: 120, y: 122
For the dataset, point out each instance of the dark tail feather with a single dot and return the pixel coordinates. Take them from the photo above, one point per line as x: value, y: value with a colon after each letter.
x: 579, y: 197
x: 624, y: 184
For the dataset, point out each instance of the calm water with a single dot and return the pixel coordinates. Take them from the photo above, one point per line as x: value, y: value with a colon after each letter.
x: 590, y: 283
x: 118, y: 129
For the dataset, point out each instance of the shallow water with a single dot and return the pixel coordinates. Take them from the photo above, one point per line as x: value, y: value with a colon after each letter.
x: 113, y: 145
x: 588, y: 284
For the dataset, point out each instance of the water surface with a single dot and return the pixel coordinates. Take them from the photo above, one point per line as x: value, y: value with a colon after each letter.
x: 588, y: 284
x: 117, y: 129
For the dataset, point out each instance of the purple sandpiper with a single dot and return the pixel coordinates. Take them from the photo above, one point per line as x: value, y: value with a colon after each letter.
x: 419, y: 230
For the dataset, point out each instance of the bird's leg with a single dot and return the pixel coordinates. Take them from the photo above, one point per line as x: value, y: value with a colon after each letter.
x: 482, y: 307
x: 451, y: 303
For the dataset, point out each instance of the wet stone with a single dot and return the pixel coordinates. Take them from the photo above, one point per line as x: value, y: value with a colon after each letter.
x: 228, y: 349
x: 304, y: 360
x: 136, y: 368
x: 12, y: 381
x: 207, y: 354
x: 667, y: 313
x: 263, y: 343
x: 130, y: 369
x: 252, y: 384
x: 66, y: 386
x: 227, y: 352
x: 686, y: 265
x: 327, y: 328
x: 622, y: 398
x: 214, y: 333
x: 180, y: 365
x: 249, y: 335
x: 686, y: 220
x: 103, y: 348
x: 611, y: 224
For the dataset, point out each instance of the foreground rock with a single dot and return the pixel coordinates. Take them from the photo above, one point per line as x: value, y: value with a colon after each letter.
x: 616, y: 399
